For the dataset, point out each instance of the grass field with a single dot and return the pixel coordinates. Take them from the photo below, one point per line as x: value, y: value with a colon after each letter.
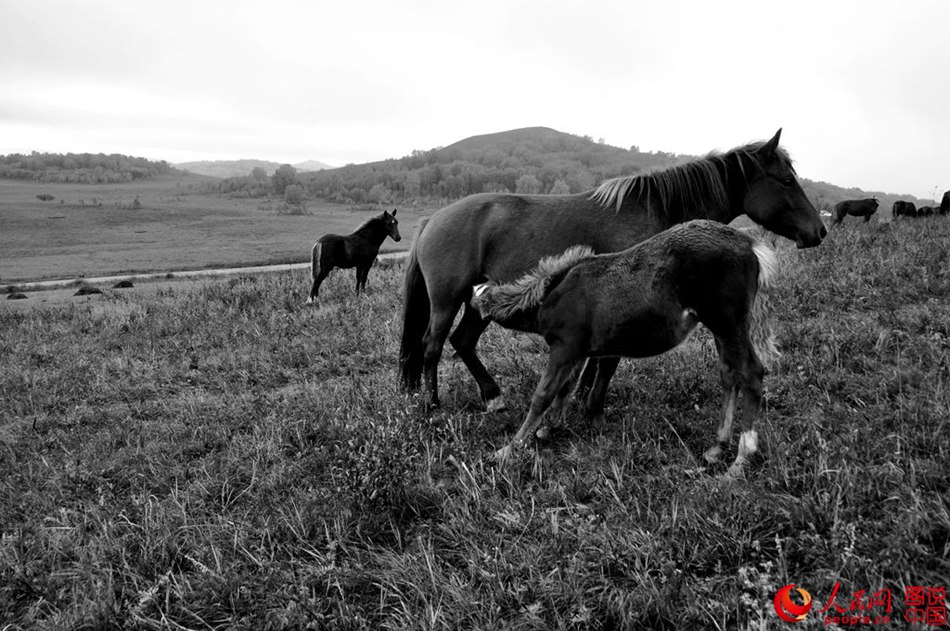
x: 92, y: 231
x: 222, y: 457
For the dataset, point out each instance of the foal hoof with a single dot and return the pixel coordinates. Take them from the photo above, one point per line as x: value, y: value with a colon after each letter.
x: 543, y: 433
x: 496, y: 405
x: 503, y: 454
x: 310, y: 301
x: 712, y: 454
x: 735, y: 472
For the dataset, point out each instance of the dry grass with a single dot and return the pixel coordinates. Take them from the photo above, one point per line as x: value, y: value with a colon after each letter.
x: 223, y: 457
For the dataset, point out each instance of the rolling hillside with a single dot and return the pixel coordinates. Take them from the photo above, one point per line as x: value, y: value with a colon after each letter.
x: 529, y: 160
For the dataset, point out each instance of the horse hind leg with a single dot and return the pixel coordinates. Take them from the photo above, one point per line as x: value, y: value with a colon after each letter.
x: 464, y: 339
x: 318, y: 272
x: 433, y: 342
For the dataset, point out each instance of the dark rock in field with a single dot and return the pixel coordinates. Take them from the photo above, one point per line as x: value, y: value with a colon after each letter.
x: 123, y: 284
x: 87, y: 291
x: 17, y: 295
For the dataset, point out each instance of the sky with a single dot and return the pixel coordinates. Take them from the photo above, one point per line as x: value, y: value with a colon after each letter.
x: 861, y: 88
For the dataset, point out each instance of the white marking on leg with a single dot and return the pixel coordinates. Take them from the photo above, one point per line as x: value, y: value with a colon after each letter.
x: 748, y: 445
x: 496, y: 405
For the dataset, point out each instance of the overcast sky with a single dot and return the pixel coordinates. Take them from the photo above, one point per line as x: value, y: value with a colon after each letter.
x: 861, y: 89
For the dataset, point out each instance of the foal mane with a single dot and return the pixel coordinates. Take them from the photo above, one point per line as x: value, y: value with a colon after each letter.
x: 699, y: 183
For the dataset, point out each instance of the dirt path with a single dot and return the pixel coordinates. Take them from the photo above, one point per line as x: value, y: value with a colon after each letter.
x: 63, y: 292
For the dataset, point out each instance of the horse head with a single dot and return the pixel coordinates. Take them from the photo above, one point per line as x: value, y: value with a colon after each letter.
x: 392, y: 224
x: 775, y: 199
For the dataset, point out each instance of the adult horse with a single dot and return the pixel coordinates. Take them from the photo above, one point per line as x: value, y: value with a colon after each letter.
x: 856, y: 208
x: 944, y: 204
x: 903, y: 208
x: 358, y: 249
x: 499, y: 237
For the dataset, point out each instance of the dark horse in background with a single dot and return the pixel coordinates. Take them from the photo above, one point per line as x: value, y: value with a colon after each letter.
x: 944, y: 204
x: 499, y: 237
x: 642, y: 302
x: 358, y: 249
x: 903, y: 208
x: 856, y: 208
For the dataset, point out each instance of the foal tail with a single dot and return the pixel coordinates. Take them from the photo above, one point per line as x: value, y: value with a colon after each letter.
x: 760, y: 327
x: 314, y: 268
x: 415, y: 319
x: 510, y: 304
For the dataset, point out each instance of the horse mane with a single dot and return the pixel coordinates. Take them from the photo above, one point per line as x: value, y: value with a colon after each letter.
x: 366, y: 223
x: 699, y: 183
x: 502, y: 302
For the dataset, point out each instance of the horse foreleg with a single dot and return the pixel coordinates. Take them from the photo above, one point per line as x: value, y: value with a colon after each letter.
x: 751, y: 375
x: 362, y: 274
x: 464, y: 339
x: 558, y: 371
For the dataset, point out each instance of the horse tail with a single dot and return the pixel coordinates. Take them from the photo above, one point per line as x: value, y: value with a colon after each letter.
x: 315, y: 260
x: 415, y: 319
x: 314, y: 268
x: 763, y: 338
x: 512, y: 301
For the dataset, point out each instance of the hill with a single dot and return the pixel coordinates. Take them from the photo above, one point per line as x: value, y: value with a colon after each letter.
x: 528, y: 160
x: 239, y: 168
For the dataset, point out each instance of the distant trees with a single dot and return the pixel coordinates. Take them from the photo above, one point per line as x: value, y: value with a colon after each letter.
x: 80, y: 168
x: 284, y: 176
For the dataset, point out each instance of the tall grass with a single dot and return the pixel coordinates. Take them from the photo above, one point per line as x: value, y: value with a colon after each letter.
x: 223, y: 457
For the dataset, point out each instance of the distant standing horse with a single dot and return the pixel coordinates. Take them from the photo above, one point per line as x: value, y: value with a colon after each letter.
x: 358, y: 250
x: 645, y: 301
x: 856, y: 208
x: 498, y: 237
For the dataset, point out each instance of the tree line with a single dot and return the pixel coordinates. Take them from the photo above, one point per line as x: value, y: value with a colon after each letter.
x: 81, y: 168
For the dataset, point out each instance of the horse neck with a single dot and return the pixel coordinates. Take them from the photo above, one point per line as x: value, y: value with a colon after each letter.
x: 373, y: 231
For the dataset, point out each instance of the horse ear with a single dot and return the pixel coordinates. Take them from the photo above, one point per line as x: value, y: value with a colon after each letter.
x: 770, y: 147
x: 394, y: 212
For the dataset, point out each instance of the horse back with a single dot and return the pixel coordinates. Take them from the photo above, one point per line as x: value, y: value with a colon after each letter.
x: 346, y: 251
x: 696, y: 272
x: 499, y: 237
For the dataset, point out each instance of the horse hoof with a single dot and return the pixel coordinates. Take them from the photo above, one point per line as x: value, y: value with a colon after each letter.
x: 310, y: 301
x: 496, y: 405
x: 543, y: 433
x: 503, y: 454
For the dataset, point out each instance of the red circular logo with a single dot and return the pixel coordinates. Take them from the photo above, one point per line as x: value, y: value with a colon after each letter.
x: 787, y: 609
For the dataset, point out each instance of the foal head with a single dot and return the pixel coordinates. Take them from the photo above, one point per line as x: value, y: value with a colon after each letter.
x: 391, y: 224
x: 774, y: 198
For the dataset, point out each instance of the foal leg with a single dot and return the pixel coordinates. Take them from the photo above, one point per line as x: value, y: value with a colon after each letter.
x: 560, y: 367
x: 751, y: 373
x: 464, y: 339
x: 739, y: 369
x: 557, y: 414
x: 594, y: 409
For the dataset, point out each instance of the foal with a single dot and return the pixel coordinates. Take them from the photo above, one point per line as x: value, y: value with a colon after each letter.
x: 358, y: 249
x: 644, y: 301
